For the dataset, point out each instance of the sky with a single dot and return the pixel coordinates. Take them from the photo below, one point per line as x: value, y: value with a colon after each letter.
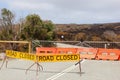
x: 67, y: 11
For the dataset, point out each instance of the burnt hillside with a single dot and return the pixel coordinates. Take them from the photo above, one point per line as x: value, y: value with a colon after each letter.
x: 91, y: 32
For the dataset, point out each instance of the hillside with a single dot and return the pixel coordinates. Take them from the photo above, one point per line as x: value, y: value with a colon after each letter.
x: 91, y: 32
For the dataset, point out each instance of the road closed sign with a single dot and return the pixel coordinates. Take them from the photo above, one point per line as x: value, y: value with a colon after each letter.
x: 43, y: 57
x: 58, y: 57
x: 20, y: 55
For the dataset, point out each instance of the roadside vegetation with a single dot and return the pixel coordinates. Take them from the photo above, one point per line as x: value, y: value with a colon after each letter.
x: 32, y: 27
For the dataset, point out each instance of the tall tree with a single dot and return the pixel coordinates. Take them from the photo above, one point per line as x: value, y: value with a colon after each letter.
x: 31, y: 26
x: 7, y: 21
x: 37, y: 29
x: 49, y: 26
x: 8, y: 30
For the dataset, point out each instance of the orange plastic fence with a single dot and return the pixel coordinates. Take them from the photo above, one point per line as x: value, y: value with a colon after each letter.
x: 87, y: 53
x: 108, y: 54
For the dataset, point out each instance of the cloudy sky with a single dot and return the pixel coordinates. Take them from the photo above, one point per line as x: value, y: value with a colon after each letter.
x: 67, y: 11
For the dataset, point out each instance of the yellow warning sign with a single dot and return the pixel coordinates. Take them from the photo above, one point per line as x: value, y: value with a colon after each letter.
x: 43, y: 57
x: 20, y: 55
x: 58, y: 57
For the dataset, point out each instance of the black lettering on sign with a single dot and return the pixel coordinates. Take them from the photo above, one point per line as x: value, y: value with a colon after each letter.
x: 32, y: 57
x: 26, y: 56
x: 8, y: 52
x: 69, y: 57
x: 12, y: 54
x: 45, y: 58
x: 76, y: 57
x: 57, y: 57
x: 21, y: 55
x: 66, y: 57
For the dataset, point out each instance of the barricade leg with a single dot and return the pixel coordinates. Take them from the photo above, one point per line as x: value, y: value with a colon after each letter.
x: 79, y: 66
x: 39, y: 66
x: 37, y: 69
x: 4, y: 60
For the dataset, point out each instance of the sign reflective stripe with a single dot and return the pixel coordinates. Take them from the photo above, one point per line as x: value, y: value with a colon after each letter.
x: 43, y: 57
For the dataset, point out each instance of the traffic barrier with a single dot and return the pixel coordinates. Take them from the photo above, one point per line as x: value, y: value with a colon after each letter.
x: 87, y: 53
x: 42, y: 57
x: 58, y: 57
x: 108, y: 54
x: 56, y: 54
x: 20, y: 55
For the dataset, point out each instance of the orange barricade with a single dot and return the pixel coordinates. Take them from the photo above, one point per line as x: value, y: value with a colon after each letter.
x: 45, y: 50
x: 87, y: 53
x: 66, y: 50
x: 108, y: 54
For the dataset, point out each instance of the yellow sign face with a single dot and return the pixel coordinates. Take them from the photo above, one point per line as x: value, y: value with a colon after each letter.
x: 58, y: 57
x: 43, y: 57
x: 20, y: 55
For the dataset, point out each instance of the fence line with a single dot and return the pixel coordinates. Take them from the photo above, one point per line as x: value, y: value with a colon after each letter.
x: 95, y: 44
